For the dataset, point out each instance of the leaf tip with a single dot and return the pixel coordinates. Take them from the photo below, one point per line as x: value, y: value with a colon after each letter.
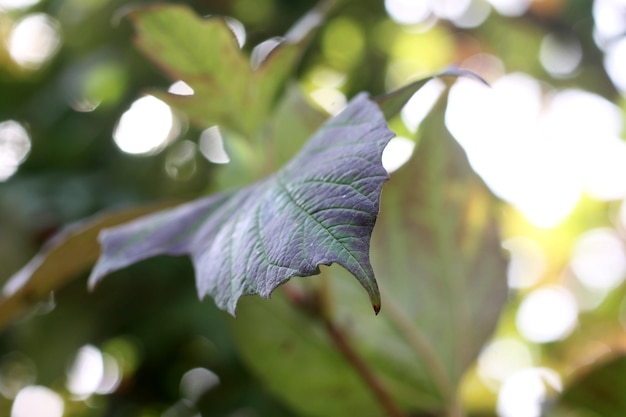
x: 376, y: 307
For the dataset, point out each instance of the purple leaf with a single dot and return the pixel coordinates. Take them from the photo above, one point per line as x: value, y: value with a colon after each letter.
x: 318, y: 209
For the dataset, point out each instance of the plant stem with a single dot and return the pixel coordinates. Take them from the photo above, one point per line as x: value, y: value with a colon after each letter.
x: 375, y: 385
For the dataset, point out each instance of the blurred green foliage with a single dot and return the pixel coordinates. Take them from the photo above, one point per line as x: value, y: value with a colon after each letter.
x: 147, y: 318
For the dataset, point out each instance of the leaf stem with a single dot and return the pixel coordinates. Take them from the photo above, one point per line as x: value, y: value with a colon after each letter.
x: 341, y: 342
x: 316, y: 303
x: 404, y: 325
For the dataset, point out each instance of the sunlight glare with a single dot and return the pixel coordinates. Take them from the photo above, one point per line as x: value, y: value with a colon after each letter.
x: 523, y: 393
x: 527, y: 263
x: 547, y: 314
x: 397, y: 153
x: 599, y: 259
x: 146, y: 127
x: 37, y: 401
x: 85, y: 374
x: 14, y: 147
x: 34, y: 40
x: 538, y: 151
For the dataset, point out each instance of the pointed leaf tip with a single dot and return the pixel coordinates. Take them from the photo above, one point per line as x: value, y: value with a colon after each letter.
x: 319, y: 209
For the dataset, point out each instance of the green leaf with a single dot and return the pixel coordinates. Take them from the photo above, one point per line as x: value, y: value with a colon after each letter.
x: 204, y: 53
x: 291, y: 352
x: 318, y: 209
x: 63, y: 258
x: 437, y: 244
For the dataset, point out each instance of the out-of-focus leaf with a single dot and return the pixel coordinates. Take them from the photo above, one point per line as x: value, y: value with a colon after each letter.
x: 204, y: 53
x: 437, y: 256
x: 436, y: 250
x: 319, y: 209
x: 61, y: 259
x: 296, y: 359
x: 601, y: 391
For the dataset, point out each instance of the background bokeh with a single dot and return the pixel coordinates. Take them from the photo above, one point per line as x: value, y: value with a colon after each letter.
x: 77, y: 135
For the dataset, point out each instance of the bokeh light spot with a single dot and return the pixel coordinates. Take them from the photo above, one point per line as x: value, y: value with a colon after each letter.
x: 329, y: 99
x: 599, y: 259
x: 17, y: 4
x: 527, y: 263
x: 16, y: 372
x: 85, y: 374
x: 408, y: 12
x: 146, y: 127
x: 196, y: 382
x: 422, y: 102
x: 559, y: 56
x: 510, y: 7
x: 14, y: 147
x: 501, y: 359
x: 615, y: 63
x: 37, y: 401
x: 397, y: 153
x: 547, y: 314
x: 34, y: 40
x: 180, y: 162
x: 523, y: 393
x: 211, y: 145
x: 181, y: 88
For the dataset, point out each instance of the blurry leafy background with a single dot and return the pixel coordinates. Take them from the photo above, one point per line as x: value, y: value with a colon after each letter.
x: 547, y: 138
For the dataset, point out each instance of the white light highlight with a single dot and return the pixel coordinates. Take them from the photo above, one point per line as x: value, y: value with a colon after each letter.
x: 17, y: 4
x: 510, y: 7
x: 211, y: 145
x: 146, y: 127
x: 238, y: 30
x: 610, y: 19
x: 422, y: 102
x: 37, y: 401
x: 34, y: 40
x: 501, y: 359
x: 615, y: 63
x: 599, y: 259
x: 181, y: 88
x: 537, y: 151
x: 547, y: 315
x: 523, y: 393
x: 111, y: 376
x: 196, y: 382
x: 528, y: 262
x: 560, y: 57
x: 14, y: 147
x: 85, y: 374
x: 397, y: 152
x: 408, y: 12
x: 329, y: 99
